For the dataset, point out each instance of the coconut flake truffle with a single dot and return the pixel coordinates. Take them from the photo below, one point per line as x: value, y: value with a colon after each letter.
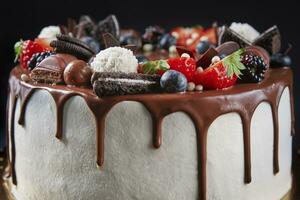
x: 49, y: 32
x: 246, y: 30
x: 115, y: 59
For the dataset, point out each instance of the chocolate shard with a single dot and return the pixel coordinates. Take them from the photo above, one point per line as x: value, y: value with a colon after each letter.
x: 75, y: 41
x: 109, y: 25
x: 88, y: 24
x: 227, y: 48
x: 110, y: 40
x: 226, y: 34
x: 51, y: 69
x: 181, y: 50
x: 119, y: 83
x: 205, y: 60
x: 269, y: 40
x: 70, y: 48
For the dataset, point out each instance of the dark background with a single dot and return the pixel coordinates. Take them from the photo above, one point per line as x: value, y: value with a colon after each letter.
x: 25, y: 19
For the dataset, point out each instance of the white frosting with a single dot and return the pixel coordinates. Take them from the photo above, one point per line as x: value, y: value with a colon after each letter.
x: 48, y: 168
x: 49, y: 32
x: 126, y: 80
x: 115, y: 59
x: 246, y: 30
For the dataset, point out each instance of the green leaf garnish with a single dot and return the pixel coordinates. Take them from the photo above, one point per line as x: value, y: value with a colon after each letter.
x: 233, y: 63
x: 18, y: 50
x: 151, y: 67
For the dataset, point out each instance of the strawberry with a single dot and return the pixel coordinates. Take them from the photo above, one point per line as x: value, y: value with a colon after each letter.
x: 185, y: 65
x: 222, y: 74
x: 25, y: 49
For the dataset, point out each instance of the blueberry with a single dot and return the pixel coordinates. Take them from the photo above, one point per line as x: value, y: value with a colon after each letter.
x: 202, y: 47
x: 141, y: 58
x: 128, y: 39
x: 173, y: 81
x: 92, y: 43
x: 280, y: 60
x: 166, y: 41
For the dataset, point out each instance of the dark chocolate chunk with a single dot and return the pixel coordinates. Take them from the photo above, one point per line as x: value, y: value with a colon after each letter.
x: 270, y: 40
x: 181, y: 50
x: 205, y: 60
x: 227, y: 48
x: 119, y: 83
x: 109, y: 25
x: 227, y: 34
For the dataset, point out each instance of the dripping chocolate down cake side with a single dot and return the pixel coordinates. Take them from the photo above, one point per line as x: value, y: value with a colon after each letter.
x: 95, y: 111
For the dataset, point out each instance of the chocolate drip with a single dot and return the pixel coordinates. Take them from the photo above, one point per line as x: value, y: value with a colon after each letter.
x: 12, y: 137
x: 202, y: 107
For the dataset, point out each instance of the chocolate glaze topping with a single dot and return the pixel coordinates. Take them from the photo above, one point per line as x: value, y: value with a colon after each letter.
x: 202, y: 107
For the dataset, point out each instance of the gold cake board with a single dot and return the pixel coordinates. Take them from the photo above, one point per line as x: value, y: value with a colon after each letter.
x: 8, y: 196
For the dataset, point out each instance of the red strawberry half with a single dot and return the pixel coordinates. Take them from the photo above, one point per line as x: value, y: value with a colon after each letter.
x: 222, y: 74
x: 185, y: 65
x: 25, y: 49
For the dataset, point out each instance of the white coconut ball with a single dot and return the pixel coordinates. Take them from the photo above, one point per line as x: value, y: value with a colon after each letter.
x: 115, y: 59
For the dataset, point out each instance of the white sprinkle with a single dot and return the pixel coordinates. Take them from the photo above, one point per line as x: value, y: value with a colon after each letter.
x: 172, y: 49
x: 185, y: 55
x: 204, y: 38
x: 191, y: 86
x: 148, y: 47
x: 215, y: 59
x: 199, y: 69
x: 25, y: 77
x: 189, y: 41
x: 195, y: 35
x: 175, y: 35
x: 199, y: 88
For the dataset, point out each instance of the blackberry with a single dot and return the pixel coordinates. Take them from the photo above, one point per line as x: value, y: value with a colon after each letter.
x: 255, y: 68
x: 37, y: 58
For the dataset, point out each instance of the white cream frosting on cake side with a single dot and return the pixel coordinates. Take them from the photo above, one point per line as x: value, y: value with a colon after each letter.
x: 48, y: 168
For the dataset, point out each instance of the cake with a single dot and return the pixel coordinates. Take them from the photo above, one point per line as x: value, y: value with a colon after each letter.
x: 192, y: 113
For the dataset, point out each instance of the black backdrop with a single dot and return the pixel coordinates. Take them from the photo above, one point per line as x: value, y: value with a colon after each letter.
x: 25, y: 19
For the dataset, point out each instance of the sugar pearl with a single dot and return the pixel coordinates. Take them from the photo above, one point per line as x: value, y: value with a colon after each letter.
x: 199, y: 69
x: 195, y: 35
x: 191, y: 86
x: 148, y: 47
x: 172, y: 49
x: 199, y: 88
x: 189, y: 41
x: 185, y: 55
x: 215, y: 59
x: 25, y: 77
x: 175, y: 34
x: 204, y: 38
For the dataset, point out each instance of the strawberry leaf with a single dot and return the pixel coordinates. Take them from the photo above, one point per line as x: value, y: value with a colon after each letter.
x: 18, y: 50
x: 151, y: 67
x: 233, y: 63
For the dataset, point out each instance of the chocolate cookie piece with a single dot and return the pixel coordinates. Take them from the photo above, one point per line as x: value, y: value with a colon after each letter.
x: 51, y: 69
x: 226, y: 34
x: 269, y: 40
x: 73, y: 46
x: 118, y: 83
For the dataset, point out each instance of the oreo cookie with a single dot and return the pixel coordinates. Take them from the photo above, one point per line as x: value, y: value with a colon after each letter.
x: 227, y: 34
x: 269, y: 40
x: 73, y: 46
x: 119, y: 83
